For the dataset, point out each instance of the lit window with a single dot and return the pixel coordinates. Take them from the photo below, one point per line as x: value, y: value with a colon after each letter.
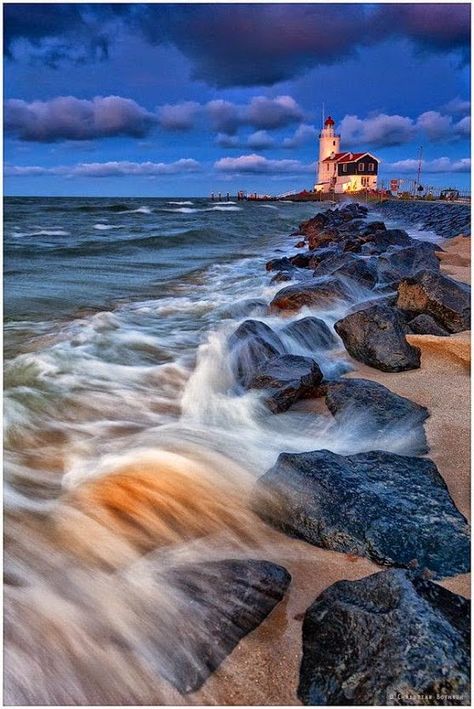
x: 361, y: 167
x: 371, y: 166
x: 344, y: 167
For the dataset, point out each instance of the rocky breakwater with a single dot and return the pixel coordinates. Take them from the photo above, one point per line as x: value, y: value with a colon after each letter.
x: 446, y: 219
x: 394, y: 637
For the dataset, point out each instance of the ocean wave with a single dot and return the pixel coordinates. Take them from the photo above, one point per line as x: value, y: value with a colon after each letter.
x: 106, y: 227
x: 184, y: 203
x: 140, y: 210
x: 42, y: 232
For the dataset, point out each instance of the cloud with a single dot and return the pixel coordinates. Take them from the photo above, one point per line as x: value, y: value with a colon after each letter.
x: 443, y: 164
x: 380, y: 131
x: 261, y: 113
x: 178, y: 117
x: 302, y: 135
x: 384, y: 130
x: 70, y: 118
x: 235, y: 45
x: 108, y: 169
x: 260, y: 140
x: 458, y: 105
x: 257, y: 164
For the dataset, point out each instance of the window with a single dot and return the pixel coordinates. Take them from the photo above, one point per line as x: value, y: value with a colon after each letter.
x: 344, y: 167
x: 364, y: 181
x: 371, y: 166
x: 327, y: 166
x: 334, y: 142
x: 361, y: 167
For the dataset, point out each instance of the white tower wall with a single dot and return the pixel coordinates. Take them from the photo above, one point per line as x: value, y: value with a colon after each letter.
x: 329, y: 142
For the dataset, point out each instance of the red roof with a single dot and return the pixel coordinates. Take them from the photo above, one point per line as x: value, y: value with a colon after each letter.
x: 329, y: 121
x: 348, y: 157
x: 336, y: 157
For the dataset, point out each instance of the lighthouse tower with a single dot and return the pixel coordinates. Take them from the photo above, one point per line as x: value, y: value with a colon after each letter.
x: 329, y: 144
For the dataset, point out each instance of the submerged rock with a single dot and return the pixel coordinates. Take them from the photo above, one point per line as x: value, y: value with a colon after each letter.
x: 317, y: 292
x: 215, y: 605
x: 376, y: 336
x: 386, y: 639
x: 311, y: 333
x: 443, y: 298
x: 288, y: 379
x: 396, y: 510
x: 251, y: 344
x: 379, y: 408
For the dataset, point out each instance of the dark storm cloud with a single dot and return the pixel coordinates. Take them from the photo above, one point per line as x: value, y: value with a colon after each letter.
x: 239, y: 45
x: 70, y: 118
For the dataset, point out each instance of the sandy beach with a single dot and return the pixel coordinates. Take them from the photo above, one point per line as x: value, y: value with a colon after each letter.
x: 269, y: 658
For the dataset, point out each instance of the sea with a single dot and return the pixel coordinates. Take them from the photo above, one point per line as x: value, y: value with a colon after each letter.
x: 127, y: 443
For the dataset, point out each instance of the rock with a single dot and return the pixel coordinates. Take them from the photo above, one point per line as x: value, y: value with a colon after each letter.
x: 279, y: 264
x: 443, y: 298
x: 373, y: 227
x: 311, y: 333
x: 400, y: 263
x: 281, y: 277
x: 245, y: 307
x: 396, y: 510
x: 301, y: 260
x: 426, y: 325
x: 215, y: 604
x: 376, y: 336
x: 386, y: 639
x: 380, y: 409
x: 317, y: 292
x: 376, y: 243
x: 362, y: 271
x: 300, y: 244
x: 288, y: 379
x: 251, y: 344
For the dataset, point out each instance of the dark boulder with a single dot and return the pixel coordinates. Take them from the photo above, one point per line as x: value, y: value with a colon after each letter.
x: 388, y: 639
x: 251, y: 344
x: 376, y: 336
x: 317, y: 292
x: 214, y: 605
x: 441, y: 297
x: 288, y: 378
x: 301, y: 260
x: 279, y: 264
x: 311, y: 333
x: 426, y: 325
x: 396, y: 264
x: 379, y: 409
x: 376, y: 243
x: 300, y: 244
x: 373, y: 227
x: 396, y: 510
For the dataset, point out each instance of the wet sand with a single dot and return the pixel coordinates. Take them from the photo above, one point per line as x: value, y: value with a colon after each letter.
x: 264, y: 667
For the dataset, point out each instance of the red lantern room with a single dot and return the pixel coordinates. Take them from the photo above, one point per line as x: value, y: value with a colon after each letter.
x: 329, y: 122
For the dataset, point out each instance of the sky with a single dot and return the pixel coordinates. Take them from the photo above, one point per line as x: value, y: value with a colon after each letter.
x: 188, y: 99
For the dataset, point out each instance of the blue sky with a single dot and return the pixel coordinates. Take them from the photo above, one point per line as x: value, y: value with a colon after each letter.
x: 182, y: 100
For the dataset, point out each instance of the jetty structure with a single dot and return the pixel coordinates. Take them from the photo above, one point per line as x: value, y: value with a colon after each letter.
x: 341, y: 172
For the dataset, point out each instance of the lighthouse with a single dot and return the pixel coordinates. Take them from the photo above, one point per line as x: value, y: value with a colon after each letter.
x: 329, y: 144
x: 346, y: 171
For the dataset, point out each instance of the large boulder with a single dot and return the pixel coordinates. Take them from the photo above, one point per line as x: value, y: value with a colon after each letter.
x: 314, y: 293
x: 376, y: 336
x: 310, y: 333
x: 378, y: 410
x: 399, y: 263
x: 445, y: 299
x: 377, y: 242
x: 288, y: 378
x: 213, y: 605
x: 279, y: 264
x: 387, y: 639
x: 396, y: 510
x: 251, y: 344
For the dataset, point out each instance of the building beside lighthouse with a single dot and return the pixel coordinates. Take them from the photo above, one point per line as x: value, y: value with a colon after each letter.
x: 343, y: 172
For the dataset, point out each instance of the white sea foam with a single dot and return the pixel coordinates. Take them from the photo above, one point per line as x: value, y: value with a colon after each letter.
x: 183, y: 202
x: 106, y: 227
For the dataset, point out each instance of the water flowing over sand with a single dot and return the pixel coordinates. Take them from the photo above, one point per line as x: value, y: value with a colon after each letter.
x: 130, y: 448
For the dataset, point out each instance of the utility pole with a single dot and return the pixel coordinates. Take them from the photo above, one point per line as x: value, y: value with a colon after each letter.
x: 418, y: 173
